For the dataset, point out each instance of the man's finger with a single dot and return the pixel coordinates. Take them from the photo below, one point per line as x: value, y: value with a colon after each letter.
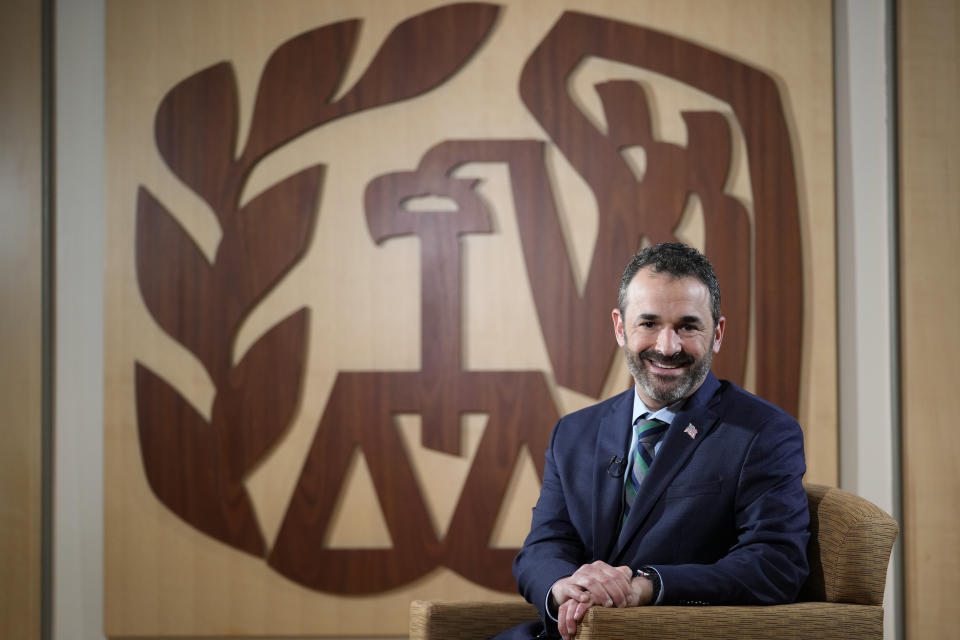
x: 580, y: 611
x: 566, y: 622
x: 567, y: 589
x: 607, y: 585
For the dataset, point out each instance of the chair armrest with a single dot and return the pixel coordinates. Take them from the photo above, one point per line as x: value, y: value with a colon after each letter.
x: 431, y: 620
x: 850, y: 547
x: 799, y: 621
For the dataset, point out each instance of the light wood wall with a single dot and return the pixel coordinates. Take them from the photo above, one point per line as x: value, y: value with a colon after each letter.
x: 165, y: 578
x: 929, y: 90
x: 20, y: 319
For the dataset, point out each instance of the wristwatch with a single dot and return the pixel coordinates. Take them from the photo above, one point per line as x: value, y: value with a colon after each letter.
x: 651, y: 574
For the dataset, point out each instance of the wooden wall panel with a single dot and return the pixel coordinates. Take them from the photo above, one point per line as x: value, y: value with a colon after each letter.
x: 21, y: 270
x: 929, y: 96
x: 370, y: 278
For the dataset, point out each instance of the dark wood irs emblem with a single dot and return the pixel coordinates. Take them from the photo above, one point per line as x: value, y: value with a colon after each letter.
x: 197, y: 466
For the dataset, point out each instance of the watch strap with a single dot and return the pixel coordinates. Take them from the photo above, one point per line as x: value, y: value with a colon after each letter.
x: 651, y: 574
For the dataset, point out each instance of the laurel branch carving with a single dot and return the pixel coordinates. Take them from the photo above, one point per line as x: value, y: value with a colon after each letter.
x: 197, y: 467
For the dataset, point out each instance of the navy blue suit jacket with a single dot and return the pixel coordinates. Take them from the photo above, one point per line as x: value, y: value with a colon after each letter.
x: 721, y: 514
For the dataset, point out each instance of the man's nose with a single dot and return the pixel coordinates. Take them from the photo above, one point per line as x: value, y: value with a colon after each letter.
x: 668, y: 342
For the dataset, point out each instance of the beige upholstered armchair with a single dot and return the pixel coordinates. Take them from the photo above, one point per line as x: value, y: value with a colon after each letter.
x: 849, y: 551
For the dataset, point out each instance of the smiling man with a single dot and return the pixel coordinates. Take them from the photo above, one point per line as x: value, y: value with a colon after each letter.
x: 684, y: 489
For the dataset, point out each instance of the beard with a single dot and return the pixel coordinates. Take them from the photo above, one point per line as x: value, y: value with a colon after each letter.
x: 668, y: 389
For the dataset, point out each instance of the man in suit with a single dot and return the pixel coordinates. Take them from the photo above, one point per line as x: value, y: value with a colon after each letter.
x: 700, y: 501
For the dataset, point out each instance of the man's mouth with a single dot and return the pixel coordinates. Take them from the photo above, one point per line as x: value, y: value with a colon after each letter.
x: 665, y: 365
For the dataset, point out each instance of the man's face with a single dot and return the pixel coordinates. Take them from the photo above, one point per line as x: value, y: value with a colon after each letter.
x: 667, y: 335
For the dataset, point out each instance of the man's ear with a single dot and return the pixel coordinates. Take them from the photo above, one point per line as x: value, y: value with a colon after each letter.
x: 718, y: 334
x: 618, y: 328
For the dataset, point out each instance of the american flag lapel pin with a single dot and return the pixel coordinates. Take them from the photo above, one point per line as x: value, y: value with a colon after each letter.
x: 691, y: 431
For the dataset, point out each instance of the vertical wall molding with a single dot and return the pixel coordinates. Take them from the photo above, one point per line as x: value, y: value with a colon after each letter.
x: 79, y: 169
x: 48, y: 293
x: 866, y: 263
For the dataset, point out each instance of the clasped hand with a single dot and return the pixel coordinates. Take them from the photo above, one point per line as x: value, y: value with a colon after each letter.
x: 600, y: 584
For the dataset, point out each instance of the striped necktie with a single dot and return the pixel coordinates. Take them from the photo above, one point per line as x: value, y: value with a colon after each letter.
x: 648, y: 433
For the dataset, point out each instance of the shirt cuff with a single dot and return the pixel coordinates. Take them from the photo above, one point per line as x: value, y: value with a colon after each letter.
x: 548, y: 606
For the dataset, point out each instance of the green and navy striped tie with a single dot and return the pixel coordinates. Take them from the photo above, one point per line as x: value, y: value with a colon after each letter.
x: 648, y: 433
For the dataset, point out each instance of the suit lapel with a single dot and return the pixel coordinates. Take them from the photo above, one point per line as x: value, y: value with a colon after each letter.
x: 613, y: 441
x: 686, y: 432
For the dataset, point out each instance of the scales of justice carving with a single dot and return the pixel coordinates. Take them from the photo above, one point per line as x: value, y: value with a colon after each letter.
x: 197, y: 467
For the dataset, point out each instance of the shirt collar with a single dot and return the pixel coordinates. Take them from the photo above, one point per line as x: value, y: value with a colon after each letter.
x: 666, y: 414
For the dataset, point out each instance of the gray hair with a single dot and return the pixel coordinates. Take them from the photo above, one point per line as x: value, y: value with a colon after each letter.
x: 679, y: 260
